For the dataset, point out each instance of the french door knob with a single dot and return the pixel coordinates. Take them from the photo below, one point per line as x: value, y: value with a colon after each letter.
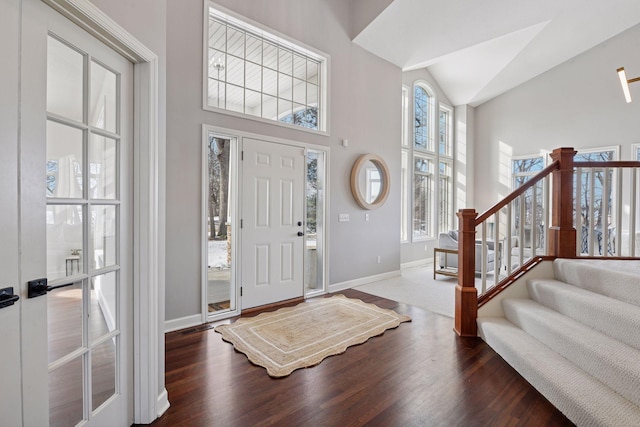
x: 300, y: 233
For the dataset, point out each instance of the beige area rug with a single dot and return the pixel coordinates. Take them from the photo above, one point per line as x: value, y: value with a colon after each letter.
x: 302, y: 336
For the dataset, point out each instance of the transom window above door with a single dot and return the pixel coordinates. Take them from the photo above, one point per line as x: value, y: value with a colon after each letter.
x: 262, y: 76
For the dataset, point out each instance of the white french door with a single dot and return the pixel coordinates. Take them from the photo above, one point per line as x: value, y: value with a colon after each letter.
x: 75, y: 224
x: 272, y: 222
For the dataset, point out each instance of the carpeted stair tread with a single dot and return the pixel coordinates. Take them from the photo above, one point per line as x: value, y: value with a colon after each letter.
x: 617, y: 279
x: 615, y: 318
x: 610, y: 361
x: 581, y: 397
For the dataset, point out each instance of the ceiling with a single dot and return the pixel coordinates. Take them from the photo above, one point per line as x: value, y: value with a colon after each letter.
x: 478, y: 49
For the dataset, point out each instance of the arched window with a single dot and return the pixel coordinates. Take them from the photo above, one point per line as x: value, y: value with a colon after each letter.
x: 423, y: 118
x: 427, y: 170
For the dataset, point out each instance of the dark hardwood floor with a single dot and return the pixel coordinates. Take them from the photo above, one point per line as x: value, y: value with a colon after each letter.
x: 420, y: 374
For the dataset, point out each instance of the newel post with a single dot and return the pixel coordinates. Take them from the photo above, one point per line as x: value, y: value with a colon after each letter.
x: 562, y: 234
x: 466, y: 311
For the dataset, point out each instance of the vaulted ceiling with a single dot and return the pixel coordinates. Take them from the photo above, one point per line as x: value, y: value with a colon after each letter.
x: 478, y: 49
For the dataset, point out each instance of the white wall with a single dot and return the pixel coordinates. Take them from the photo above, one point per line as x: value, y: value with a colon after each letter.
x: 577, y: 104
x: 365, y: 94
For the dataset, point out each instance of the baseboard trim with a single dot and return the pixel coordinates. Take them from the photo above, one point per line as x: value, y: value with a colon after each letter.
x: 163, y: 402
x: 182, y: 322
x: 336, y: 287
x: 417, y: 263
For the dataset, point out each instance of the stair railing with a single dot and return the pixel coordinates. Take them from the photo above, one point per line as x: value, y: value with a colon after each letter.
x: 538, y: 221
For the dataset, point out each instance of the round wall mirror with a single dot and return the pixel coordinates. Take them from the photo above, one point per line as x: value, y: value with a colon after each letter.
x: 370, y: 181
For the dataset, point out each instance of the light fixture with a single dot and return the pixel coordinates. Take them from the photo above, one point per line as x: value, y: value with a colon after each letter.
x: 624, y: 82
x: 218, y: 64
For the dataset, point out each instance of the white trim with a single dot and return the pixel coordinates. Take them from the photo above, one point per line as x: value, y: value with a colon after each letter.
x: 84, y: 14
x: 635, y: 155
x: 149, y: 394
x: 614, y: 148
x: 182, y: 323
x: 417, y: 263
x: 363, y: 281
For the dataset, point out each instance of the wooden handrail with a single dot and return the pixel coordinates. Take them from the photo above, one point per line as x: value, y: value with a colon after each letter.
x: 517, y: 192
x: 560, y: 238
x: 609, y: 164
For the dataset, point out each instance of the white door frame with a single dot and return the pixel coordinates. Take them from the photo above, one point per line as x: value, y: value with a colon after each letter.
x: 150, y: 398
x: 240, y: 135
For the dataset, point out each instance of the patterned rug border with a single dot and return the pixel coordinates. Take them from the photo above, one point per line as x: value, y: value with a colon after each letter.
x: 275, y: 371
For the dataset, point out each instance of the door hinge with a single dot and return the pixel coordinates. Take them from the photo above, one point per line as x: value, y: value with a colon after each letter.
x: 240, y: 290
x: 242, y: 155
x: 241, y: 223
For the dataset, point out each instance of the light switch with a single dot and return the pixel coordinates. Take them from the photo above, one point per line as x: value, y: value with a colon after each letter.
x: 343, y: 218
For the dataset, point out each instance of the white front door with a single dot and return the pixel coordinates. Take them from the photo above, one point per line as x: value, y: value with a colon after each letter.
x: 67, y: 218
x: 272, y: 222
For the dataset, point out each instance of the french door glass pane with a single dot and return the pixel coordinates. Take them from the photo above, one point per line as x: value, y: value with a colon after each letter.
x: 65, y: 394
x: 102, y: 105
x: 64, y: 241
x: 64, y: 320
x: 103, y: 372
x: 103, y: 231
x: 65, y: 72
x: 103, y: 319
x: 64, y: 161
x: 102, y: 167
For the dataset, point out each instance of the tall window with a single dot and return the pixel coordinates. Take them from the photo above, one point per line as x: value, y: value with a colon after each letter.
x: 522, y: 170
x: 260, y: 75
x: 422, y: 119
x: 423, y: 173
x: 445, y: 170
x: 404, y: 168
x: 595, y: 190
x: 427, y: 165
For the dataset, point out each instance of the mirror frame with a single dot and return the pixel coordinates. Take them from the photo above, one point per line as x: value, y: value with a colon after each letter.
x: 384, y: 177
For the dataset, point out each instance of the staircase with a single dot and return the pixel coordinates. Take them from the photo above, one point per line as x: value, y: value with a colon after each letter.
x: 576, y: 339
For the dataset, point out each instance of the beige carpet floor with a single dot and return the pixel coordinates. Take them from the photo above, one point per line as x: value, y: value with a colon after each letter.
x: 416, y: 286
x: 302, y: 336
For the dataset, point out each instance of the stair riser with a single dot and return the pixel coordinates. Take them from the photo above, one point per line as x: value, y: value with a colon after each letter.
x: 615, y: 364
x: 616, y: 279
x: 582, y: 398
x: 614, y: 318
